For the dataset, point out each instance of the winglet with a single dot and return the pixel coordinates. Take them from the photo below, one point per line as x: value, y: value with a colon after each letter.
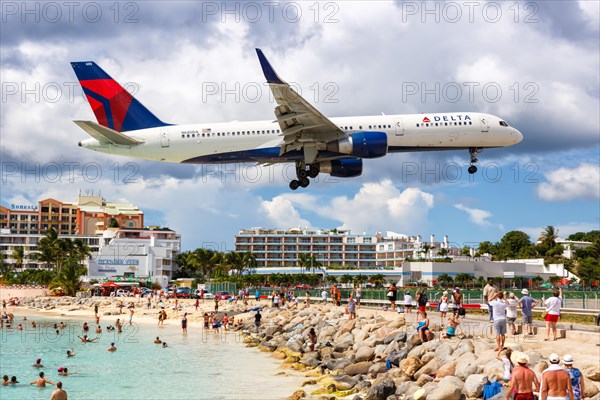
x: 268, y: 71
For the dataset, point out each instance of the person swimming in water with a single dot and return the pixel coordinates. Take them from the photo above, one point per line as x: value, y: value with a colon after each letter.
x: 112, y: 347
x: 71, y: 353
x: 41, y: 381
x: 5, y: 380
x: 38, y: 363
x: 157, y: 340
x: 86, y: 339
x: 65, y: 371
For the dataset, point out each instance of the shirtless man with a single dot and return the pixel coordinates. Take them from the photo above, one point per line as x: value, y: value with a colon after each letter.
x: 59, y: 394
x: 523, y: 380
x: 86, y: 339
x: 112, y: 347
x: 556, y: 382
x: 41, y: 381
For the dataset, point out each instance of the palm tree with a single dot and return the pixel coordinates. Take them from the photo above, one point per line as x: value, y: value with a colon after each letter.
x: 249, y: 260
x: 445, y: 280
x: 425, y: 250
x: 443, y: 252
x: 81, y: 250
x: 537, y: 280
x: 69, y: 277
x: 18, y: 254
x: 549, y: 235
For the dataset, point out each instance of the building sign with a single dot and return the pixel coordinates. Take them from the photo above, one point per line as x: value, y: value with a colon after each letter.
x: 117, y: 261
x: 23, y: 207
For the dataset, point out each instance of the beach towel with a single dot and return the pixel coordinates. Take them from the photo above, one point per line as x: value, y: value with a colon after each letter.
x: 491, y: 389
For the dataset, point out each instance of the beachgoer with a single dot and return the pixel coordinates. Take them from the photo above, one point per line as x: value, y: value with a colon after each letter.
x: 577, y: 379
x: 422, y: 325
x: 13, y: 380
x: 511, y: 312
x: 184, y: 323
x: 351, y: 308
x: 257, y: 318
x: 112, y: 347
x: 5, y: 380
x: 257, y: 295
x: 457, y: 300
x: 453, y: 322
x: 312, y: 339
x: 422, y: 301
x: 216, y: 304
x: 205, y: 318
x: 61, y: 325
x: 338, y: 296
x: 488, y: 291
x: 38, y: 363
x: 527, y: 303
x: 157, y: 340
x: 358, y: 295
x: 324, y: 296
x: 443, y: 305
x: 41, y: 381
x: 392, y: 295
x: 197, y: 304
x: 523, y: 380
x: 165, y: 345
x: 85, y: 339
x: 96, y: 309
x: 71, y: 353
x: 65, y: 371
x: 59, y: 393
x: 307, y: 299
x: 131, y: 311
x: 86, y: 328
x: 408, y: 302
x: 504, y: 356
x: 276, y: 300
x: 499, y: 305
x: 225, y: 321
x: 553, y: 312
x: 98, y: 330
x: 556, y: 382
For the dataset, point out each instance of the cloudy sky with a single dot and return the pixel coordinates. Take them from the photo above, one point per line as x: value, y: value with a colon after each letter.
x: 535, y: 64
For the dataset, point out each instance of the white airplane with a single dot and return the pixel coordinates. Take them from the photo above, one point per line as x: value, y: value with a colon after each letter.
x: 299, y: 134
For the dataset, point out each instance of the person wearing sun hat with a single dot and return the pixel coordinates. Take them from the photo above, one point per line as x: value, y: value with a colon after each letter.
x: 527, y: 303
x: 555, y: 382
x: 576, y: 377
x: 523, y: 381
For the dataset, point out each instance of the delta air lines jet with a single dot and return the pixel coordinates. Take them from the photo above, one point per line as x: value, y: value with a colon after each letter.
x: 299, y: 133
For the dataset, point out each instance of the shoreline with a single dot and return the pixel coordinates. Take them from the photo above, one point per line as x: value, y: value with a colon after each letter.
x: 350, y: 356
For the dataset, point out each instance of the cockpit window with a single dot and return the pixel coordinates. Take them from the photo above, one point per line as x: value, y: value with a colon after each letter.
x: 502, y: 123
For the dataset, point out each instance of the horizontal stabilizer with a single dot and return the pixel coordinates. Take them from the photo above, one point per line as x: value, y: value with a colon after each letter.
x: 106, y: 135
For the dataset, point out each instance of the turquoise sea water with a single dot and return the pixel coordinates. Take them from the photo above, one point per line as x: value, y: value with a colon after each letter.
x: 198, y: 365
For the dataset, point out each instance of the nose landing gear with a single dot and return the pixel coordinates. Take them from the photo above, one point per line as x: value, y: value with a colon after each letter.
x: 303, y: 174
x: 473, y: 151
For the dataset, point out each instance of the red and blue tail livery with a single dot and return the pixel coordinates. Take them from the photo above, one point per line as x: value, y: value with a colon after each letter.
x: 298, y: 134
x: 114, y: 107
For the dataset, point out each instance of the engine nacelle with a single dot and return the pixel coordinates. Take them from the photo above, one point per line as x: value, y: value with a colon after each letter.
x: 362, y: 144
x: 342, y: 168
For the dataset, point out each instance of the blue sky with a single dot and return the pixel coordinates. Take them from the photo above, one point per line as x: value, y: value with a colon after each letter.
x: 535, y: 64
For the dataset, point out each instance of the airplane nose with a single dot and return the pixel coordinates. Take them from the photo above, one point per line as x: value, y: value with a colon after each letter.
x: 518, y: 136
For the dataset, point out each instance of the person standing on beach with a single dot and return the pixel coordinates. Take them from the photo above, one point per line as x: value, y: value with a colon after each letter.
x: 131, y: 311
x: 443, y: 305
x: 307, y: 299
x: 351, y: 308
x: 499, y: 305
x: 119, y: 326
x: 577, y: 380
x: 324, y: 296
x: 556, y: 382
x: 257, y: 295
x: 59, y: 393
x: 523, y: 380
x: 511, y: 312
x: 392, y: 295
x: 488, y: 291
x: 216, y: 304
x: 197, y: 304
x: 527, y: 303
x: 408, y: 302
x: 96, y: 309
x: 358, y: 295
x: 257, y: 318
x: 312, y: 340
x: 553, y: 312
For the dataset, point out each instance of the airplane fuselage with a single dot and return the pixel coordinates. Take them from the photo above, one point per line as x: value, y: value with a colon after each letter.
x: 259, y: 141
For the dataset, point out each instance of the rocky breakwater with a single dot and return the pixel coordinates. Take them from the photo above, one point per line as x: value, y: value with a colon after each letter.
x: 380, y: 359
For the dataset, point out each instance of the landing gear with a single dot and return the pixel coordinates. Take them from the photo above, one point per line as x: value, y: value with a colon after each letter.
x: 473, y: 151
x: 303, y: 174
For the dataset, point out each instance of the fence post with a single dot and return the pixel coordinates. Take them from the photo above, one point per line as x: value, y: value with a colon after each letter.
x: 583, y: 306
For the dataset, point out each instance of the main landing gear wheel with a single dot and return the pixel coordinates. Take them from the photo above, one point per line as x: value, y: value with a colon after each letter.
x: 302, y: 173
x: 304, y: 182
x: 313, y: 170
x: 472, y: 169
x: 473, y: 151
x: 294, y: 184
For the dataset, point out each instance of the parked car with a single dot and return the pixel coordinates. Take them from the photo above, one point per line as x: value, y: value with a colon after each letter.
x: 122, y: 293
x: 184, y: 292
x: 303, y: 286
x: 207, y: 295
x: 222, y: 295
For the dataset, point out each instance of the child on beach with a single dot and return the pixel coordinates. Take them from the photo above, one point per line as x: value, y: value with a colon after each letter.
x: 453, y: 322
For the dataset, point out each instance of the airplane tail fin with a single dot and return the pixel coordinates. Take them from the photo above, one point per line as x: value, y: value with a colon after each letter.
x: 114, y: 107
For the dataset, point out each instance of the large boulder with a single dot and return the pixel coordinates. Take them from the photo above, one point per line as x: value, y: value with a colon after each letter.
x: 443, y: 352
x: 428, y: 369
x: 445, y: 370
x: 348, y: 326
x: 397, y: 322
x: 430, y: 355
x: 590, y: 388
x: 377, y: 368
x: 465, y: 346
x: 358, y: 368
x: 410, y: 365
x: 447, y: 389
x: 465, y: 369
x: 397, y: 355
x: 415, y: 340
x: 592, y: 372
x: 406, y: 387
x: 364, y: 354
x: 381, y: 389
x: 474, y: 385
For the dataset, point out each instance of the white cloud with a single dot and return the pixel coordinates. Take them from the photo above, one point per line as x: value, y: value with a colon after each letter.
x: 476, y: 215
x: 282, y: 214
x: 571, y: 183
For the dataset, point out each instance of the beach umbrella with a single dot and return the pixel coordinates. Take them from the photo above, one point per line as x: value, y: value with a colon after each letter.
x: 109, y: 284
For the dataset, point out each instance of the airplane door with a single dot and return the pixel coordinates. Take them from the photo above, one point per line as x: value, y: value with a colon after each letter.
x: 164, y: 139
x: 399, y: 127
x: 484, y: 125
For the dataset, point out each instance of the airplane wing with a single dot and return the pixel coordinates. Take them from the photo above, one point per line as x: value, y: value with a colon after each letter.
x: 106, y: 135
x: 303, y: 127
